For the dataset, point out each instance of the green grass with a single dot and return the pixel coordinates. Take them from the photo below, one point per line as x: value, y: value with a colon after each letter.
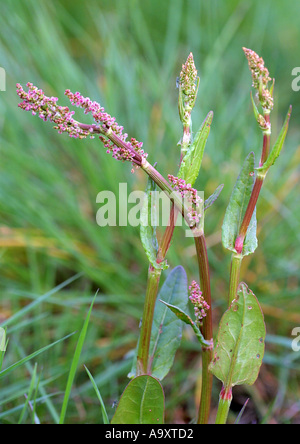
x: 127, y: 55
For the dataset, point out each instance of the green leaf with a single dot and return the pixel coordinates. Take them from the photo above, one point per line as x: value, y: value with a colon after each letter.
x: 167, y: 328
x: 148, y: 226
x: 236, y: 210
x: 142, y: 402
x: 277, y: 147
x: 180, y: 102
x: 184, y: 317
x: 213, y: 197
x: 240, y: 344
x: 191, y: 163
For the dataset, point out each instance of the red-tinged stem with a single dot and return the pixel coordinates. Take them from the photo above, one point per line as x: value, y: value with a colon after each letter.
x: 266, y: 143
x: 167, y: 236
x: 248, y: 215
x: 255, y: 191
x: 224, y: 405
x: 207, y: 330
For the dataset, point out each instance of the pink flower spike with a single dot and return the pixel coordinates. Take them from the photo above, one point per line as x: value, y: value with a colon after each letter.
x: 111, y: 134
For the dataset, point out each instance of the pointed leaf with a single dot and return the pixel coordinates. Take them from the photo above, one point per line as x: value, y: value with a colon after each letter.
x: 240, y: 344
x: 148, y: 226
x: 278, y: 145
x: 191, y: 163
x: 236, y: 210
x: 167, y: 328
x: 180, y: 102
x: 142, y: 402
x: 103, y: 409
x: 213, y: 197
x: 184, y: 317
x: 238, y: 418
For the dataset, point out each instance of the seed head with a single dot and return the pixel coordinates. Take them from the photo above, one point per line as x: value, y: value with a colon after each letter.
x: 188, y: 77
x: 260, y: 78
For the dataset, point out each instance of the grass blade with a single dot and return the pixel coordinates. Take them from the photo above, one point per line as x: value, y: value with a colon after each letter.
x: 30, y: 391
x: 39, y: 300
x: 241, y: 412
x: 103, y: 409
x: 74, y: 364
x: 33, y: 355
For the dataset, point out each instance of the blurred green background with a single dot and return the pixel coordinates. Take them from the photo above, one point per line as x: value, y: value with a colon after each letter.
x: 126, y: 54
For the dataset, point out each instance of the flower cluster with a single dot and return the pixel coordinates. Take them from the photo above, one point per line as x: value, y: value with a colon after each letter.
x: 260, y: 78
x: 190, y: 197
x: 200, y: 305
x: 110, y: 133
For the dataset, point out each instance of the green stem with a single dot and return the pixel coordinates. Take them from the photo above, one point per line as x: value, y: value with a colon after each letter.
x: 147, y: 320
x: 235, y: 269
x: 207, y: 352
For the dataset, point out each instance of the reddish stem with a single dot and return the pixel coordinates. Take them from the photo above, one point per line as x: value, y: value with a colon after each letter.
x: 226, y: 393
x: 248, y: 215
x: 266, y: 144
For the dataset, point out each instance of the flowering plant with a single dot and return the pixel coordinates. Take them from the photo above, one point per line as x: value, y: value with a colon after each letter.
x: 237, y: 354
